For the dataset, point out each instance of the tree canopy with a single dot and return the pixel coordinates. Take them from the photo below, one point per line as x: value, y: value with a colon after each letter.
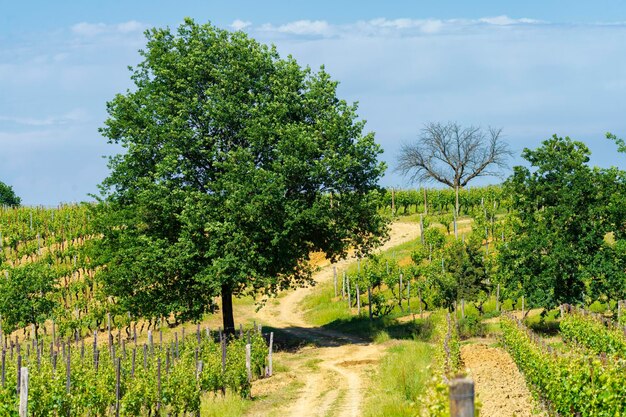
x: 8, y: 196
x: 238, y: 164
x: 567, y: 228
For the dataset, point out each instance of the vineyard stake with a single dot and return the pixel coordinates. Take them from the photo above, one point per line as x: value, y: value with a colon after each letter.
x: 358, y: 300
x: 270, y: 353
x: 19, y: 370
x: 248, y: 362
x: 369, y: 300
x: 498, y: 298
x: 158, y: 407
x: 23, y: 391
x: 118, y: 363
x: 68, y: 370
x: 335, y: 278
x: 462, y: 398
x: 408, y: 294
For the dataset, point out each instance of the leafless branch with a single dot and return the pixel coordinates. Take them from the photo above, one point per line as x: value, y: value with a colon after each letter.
x: 453, y: 155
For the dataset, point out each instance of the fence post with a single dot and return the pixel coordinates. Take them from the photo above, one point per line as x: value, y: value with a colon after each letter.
x: 24, y: 392
x: 335, y: 278
x: 462, y: 397
x: 271, y: 347
x: 249, y: 362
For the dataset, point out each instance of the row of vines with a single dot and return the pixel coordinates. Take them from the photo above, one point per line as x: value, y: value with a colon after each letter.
x: 575, y: 382
x: 71, y: 379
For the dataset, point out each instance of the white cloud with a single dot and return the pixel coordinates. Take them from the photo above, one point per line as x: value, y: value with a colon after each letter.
x: 504, y: 20
x: 240, y: 24
x: 88, y: 29
x: 94, y: 29
x: 386, y: 27
x: 301, y: 27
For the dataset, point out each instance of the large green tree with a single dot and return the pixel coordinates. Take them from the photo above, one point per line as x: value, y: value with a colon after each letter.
x: 8, y: 196
x: 237, y: 165
x: 567, y: 227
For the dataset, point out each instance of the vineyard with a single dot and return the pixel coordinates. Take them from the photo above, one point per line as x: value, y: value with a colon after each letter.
x: 82, y: 354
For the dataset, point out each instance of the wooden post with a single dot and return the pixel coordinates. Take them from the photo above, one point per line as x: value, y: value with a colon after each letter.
x: 422, y: 229
x: 498, y: 298
x: 249, y: 361
x: 118, y: 362
x: 343, y: 286
x: 462, y: 397
x: 463, y: 308
x: 159, y: 395
x: 408, y: 294
x: 270, y: 354
x: 23, y: 391
x: 358, y: 300
x: 223, y: 355
x: 419, y: 294
x: 369, y: 300
x: 456, y: 229
x: 335, y: 278
x: 400, y: 293
x: 68, y: 371
x: 349, y: 295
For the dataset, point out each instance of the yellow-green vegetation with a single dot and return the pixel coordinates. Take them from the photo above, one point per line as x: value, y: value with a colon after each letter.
x: 218, y: 405
x: 402, y: 377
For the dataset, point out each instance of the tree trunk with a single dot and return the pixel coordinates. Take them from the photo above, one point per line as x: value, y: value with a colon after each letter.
x: 227, y: 310
x: 456, y: 207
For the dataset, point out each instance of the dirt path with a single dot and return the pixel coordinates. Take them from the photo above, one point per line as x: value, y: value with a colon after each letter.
x: 500, y: 387
x: 333, y: 380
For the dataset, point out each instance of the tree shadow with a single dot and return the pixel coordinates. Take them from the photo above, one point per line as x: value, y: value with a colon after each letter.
x: 355, y: 330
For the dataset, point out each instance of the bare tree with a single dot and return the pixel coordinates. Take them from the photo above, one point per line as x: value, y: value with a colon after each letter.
x: 453, y: 155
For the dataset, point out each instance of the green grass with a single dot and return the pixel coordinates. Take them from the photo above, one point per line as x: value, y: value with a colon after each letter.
x: 230, y: 405
x: 400, y: 380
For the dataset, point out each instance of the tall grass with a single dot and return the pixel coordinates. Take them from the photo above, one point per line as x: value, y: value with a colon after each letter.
x: 399, y: 382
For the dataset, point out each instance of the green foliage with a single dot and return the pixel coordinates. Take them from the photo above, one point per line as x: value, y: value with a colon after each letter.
x: 447, y: 360
x: 570, y: 384
x: 92, y: 389
x: 26, y: 296
x: 8, y: 196
x: 471, y: 326
x: 593, y: 334
x: 563, y: 210
x: 238, y: 165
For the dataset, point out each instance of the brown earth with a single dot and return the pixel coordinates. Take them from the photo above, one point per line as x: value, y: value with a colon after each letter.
x: 500, y: 387
x: 334, y: 374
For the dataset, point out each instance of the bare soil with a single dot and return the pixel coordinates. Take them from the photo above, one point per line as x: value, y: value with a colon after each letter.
x: 500, y: 387
x: 334, y: 384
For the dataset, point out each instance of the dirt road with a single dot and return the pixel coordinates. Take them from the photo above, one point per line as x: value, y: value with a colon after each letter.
x: 333, y: 375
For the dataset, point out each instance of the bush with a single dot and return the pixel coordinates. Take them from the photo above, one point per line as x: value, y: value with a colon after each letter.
x: 471, y: 326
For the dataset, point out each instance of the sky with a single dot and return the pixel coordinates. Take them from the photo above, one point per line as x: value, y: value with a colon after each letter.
x: 532, y: 68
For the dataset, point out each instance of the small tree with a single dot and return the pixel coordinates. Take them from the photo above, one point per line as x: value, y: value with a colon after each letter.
x: 453, y: 155
x: 8, y: 196
x: 563, y: 210
x: 27, y: 296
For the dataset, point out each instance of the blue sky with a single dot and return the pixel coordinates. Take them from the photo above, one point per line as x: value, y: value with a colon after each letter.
x: 532, y: 68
